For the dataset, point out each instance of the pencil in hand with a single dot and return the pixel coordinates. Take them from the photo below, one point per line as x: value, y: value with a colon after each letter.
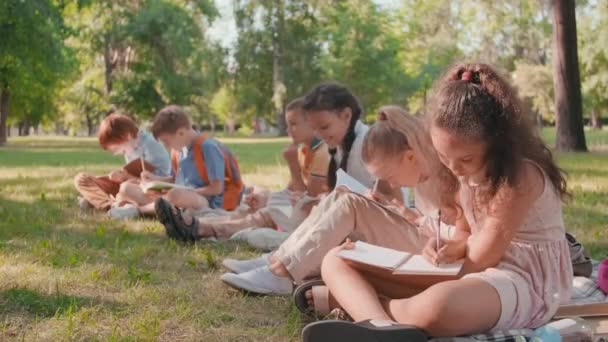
x: 438, y: 232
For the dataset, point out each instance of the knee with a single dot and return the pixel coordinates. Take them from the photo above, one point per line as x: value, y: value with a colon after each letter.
x: 124, y: 187
x: 331, y: 263
x: 175, y: 197
x: 81, y: 179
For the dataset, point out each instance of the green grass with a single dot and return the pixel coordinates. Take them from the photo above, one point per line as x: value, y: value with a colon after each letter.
x: 69, y: 276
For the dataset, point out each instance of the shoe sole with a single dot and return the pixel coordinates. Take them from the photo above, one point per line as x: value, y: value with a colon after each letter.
x: 166, y: 221
x: 331, y: 331
x: 247, y: 287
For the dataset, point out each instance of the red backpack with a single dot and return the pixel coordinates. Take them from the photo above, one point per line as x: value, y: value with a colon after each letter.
x: 233, y: 186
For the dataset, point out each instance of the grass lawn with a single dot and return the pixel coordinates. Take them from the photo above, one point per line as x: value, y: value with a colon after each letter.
x: 69, y: 276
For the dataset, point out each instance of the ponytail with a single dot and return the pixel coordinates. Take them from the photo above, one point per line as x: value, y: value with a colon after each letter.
x: 335, y: 97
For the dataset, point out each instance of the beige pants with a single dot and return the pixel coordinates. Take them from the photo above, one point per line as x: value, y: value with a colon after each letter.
x: 340, y: 215
x: 97, y: 190
x: 225, y: 227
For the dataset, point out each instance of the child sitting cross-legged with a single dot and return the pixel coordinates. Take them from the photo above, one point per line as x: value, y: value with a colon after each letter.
x: 205, y: 171
x: 307, y: 158
x: 121, y: 136
x: 510, y: 230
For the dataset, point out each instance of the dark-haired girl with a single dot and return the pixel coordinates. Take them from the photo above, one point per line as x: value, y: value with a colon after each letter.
x: 510, y: 232
x: 334, y: 113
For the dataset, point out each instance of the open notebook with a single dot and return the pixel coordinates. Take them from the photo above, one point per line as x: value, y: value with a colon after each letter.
x: 160, y: 186
x: 398, y: 262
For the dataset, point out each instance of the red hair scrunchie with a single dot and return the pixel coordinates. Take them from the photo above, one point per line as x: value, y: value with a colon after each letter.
x: 382, y: 116
x: 467, y: 76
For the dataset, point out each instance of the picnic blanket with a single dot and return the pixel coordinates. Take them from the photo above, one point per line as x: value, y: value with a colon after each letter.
x: 586, y: 291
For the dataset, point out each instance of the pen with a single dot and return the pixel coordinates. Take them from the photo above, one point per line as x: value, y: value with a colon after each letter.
x: 143, y: 164
x: 375, y: 187
x: 438, y: 236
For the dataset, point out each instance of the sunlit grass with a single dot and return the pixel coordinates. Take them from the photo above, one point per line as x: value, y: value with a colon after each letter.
x: 70, y: 276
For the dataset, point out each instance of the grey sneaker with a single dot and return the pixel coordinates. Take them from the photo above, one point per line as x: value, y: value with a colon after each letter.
x: 84, y: 204
x: 125, y: 212
x: 242, y: 266
x: 259, y: 280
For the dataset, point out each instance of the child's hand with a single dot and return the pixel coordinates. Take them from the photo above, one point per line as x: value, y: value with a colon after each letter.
x: 118, y: 176
x: 376, y: 196
x: 255, y: 201
x: 347, y: 245
x: 147, y: 176
x: 294, y: 197
x: 290, y: 153
x: 449, y: 252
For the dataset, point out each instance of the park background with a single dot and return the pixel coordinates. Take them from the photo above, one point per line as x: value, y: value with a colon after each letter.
x: 66, y: 275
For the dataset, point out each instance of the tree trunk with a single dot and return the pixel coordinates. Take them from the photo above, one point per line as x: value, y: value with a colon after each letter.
x: 279, y: 91
x: 26, y: 128
x: 4, y: 96
x: 89, y: 125
x: 109, y: 64
x: 566, y: 80
x: 596, y: 120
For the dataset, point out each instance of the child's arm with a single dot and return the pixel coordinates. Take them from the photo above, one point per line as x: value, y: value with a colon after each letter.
x: 507, y: 211
x: 290, y: 154
x: 317, y: 184
x: 213, y: 189
x: 214, y: 163
x: 317, y: 178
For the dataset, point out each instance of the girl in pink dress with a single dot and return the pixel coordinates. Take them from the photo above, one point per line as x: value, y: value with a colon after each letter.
x: 509, y: 230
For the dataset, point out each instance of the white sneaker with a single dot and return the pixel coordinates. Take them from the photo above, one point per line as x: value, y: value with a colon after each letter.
x: 259, y: 280
x: 242, y: 266
x: 125, y: 212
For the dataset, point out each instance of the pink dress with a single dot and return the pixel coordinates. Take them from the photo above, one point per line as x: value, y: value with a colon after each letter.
x: 535, y: 275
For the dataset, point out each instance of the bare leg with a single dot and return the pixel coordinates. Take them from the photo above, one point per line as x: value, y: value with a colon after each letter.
x: 131, y: 192
x: 186, y: 199
x: 445, y: 308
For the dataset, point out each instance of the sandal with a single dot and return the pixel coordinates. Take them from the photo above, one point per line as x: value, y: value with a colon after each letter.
x: 174, y: 223
x: 364, y: 331
x: 320, y: 297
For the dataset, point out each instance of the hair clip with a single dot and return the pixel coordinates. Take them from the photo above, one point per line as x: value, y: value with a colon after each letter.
x: 467, y: 76
x: 382, y: 116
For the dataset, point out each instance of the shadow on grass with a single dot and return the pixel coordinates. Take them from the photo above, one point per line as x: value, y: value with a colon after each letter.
x: 22, y: 300
x: 54, y: 233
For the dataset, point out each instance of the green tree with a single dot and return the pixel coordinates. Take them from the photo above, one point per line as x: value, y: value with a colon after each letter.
x: 33, y: 60
x: 502, y: 32
x: 361, y: 48
x: 429, y: 37
x: 593, y: 33
x: 566, y: 79
x: 275, y: 56
x: 535, y: 84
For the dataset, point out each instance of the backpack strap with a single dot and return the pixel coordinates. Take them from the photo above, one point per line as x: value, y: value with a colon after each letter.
x: 174, y: 161
x: 233, y: 185
x: 199, y: 158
